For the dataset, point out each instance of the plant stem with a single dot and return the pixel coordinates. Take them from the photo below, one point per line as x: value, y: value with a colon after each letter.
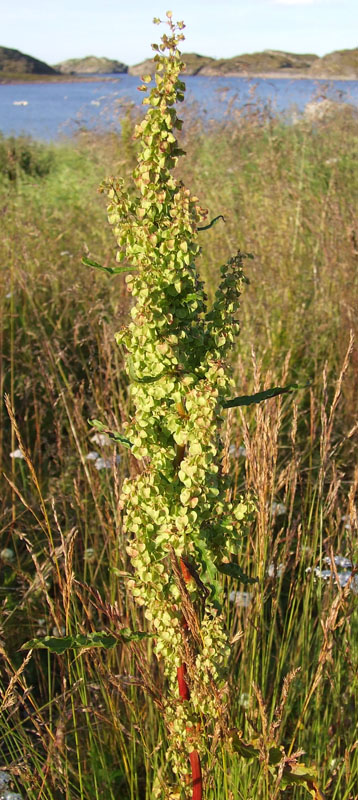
x: 184, y: 692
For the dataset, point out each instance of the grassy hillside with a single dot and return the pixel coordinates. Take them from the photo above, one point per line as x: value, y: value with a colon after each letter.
x: 267, y: 61
x: 89, y: 65
x: 12, y: 61
x: 87, y: 725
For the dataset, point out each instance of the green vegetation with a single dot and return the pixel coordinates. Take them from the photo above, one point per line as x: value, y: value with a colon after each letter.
x: 180, y: 523
x: 19, y: 158
x: 88, y: 723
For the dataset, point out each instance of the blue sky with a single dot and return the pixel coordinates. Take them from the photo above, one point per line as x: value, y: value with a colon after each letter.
x: 54, y: 30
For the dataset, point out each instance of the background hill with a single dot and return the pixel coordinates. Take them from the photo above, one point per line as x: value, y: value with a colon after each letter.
x: 90, y: 65
x: 194, y: 63
x: 340, y: 62
x: 251, y: 63
x: 277, y: 63
x: 12, y: 61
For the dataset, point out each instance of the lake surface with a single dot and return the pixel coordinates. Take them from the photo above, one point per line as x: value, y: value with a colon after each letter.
x: 50, y: 111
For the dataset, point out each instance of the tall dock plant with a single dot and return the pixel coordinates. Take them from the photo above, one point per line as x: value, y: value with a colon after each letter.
x: 180, y: 522
x: 177, y: 515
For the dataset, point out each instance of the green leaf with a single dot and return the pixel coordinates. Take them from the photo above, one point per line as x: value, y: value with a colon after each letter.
x: 206, y: 227
x: 276, y: 754
x: 59, y: 644
x: 245, y: 749
x: 301, y: 775
x: 127, y: 635
x: 96, y: 423
x: 117, y: 437
x: 147, y: 378
x: 234, y: 571
x: 249, y: 399
x: 164, y: 478
x: 209, y: 572
x: 88, y: 262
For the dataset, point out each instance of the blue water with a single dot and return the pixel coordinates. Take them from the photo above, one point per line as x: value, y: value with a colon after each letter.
x: 59, y: 109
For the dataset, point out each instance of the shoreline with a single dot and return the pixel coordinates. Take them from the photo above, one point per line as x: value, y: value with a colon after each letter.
x: 278, y: 75
x: 45, y: 79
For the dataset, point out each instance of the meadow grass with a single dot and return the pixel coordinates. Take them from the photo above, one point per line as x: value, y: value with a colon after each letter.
x: 88, y: 724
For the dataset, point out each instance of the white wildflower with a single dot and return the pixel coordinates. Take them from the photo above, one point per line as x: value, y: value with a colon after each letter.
x: 4, y: 779
x: 340, y: 561
x: 17, y: 454
x: 241, y: 599
x: 101, y: 439
x: 343, y: 577
x: 348, y: 524
x: 275, y: 570
x: 58, y: 632
x: 237, y: 451
x: 103, y: 463
x: 279, y: 509
x: 92, y: 455
x: 244, y: 700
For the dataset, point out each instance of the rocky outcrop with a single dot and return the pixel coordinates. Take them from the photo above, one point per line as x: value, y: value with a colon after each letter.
x: 90, y: 65
x: 340, y: 63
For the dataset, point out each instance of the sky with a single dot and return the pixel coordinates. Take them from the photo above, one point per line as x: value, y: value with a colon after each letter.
x: 54, y: 30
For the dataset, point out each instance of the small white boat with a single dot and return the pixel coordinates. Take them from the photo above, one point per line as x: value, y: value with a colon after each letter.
x: 20, y: 103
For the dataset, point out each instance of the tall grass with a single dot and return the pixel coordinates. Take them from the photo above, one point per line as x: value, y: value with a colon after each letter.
x: 89, y: 725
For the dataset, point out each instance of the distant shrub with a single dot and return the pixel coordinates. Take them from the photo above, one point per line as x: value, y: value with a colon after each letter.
x: 21, y: 156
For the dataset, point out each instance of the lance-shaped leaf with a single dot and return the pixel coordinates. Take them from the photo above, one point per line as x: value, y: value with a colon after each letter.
x: 117, y: 437
x: 249, y: 399
x: 59, y: 644
x: 234, y: 571
x: 206, y: 227
x: 88, y: 262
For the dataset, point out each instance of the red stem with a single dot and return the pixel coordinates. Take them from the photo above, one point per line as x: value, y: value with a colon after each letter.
x: 197, y: 781
x: 184, y: 693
